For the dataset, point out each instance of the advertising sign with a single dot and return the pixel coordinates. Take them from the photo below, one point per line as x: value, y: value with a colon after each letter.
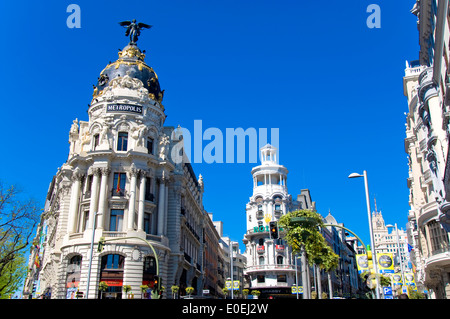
x: 409, y: 280
x: 235, y: 285
x: 294, y: 289
x: 385, y: 263
x: 397, y: 279
x: 361, y: 261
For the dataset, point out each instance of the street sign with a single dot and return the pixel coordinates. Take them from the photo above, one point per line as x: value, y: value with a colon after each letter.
x: 388, y: 297
x: 387, y: 290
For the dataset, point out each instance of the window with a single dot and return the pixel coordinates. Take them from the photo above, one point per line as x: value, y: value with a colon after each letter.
x: 122, y: 141
x: 279, y: 260
x: 112, y: 272
x: 260, y: 278
x: 438, y: 237
x: 116, y: 220
x: 148, y: 189
x: 73, y: 275
x: 150, y: 265
x: 147, y: 223
x: 85, y: 222
x: 112, y: 262
x: 281, y: 278
x: 87, y: 193
x: 150, y: 145
x: 261, y: 260
x: 119, y: 182
x: 149, y: 272
x: 96, y: 140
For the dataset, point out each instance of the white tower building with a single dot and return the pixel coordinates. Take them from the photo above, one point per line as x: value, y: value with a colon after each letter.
x: 270, y: 264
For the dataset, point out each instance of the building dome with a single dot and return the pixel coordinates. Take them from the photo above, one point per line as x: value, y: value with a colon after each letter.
x: 131, y: 63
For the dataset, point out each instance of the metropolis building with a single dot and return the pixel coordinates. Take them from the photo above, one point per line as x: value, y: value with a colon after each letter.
x: 270, y: 263
x: 121, y: 182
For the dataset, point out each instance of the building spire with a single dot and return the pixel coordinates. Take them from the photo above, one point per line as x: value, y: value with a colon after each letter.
x: 375, y: 200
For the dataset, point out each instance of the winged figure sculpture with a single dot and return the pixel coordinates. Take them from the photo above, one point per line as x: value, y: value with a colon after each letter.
x: 133, y: 29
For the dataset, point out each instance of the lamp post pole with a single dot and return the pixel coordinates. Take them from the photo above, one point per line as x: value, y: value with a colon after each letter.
x: 230, y: 243
x: 91, y: 254
x: 399, y: 253
x: 369, y: 214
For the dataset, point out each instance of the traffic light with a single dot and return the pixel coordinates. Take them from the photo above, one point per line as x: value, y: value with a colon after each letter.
x: 156, y: 289
x: 371, y: 279
x: 273, y: 228
x: 101, y: 244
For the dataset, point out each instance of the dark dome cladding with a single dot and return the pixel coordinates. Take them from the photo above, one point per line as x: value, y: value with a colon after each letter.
x: 131, y: 62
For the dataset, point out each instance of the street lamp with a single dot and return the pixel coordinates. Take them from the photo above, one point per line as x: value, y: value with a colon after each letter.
x: 354, y: 175
x: 91, y: 254
x: 398, y: 251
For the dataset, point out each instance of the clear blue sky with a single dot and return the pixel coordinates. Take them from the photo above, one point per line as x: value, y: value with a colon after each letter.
x: 330, y: 84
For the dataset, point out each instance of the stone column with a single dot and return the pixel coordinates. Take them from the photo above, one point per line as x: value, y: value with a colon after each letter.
x: 143, y: 175
x: 74, y: 200
x: 102, y: 205
x: 161, y: 205
x: 270, y: 209
x: 132, y: 201
x: 94, y: 196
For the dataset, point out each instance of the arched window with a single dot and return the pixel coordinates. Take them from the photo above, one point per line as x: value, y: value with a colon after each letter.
x: 73, y: 276
x: 112, y: 262
x: 279, y: 260
x: 261, y: 260
x: 150, y: 143
x: 111, y: 272
x: 150, y: 265
x: 149, y: 271
x: 122, y: 141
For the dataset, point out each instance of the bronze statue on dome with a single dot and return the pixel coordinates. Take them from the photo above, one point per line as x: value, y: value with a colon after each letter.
x: 134, y: 29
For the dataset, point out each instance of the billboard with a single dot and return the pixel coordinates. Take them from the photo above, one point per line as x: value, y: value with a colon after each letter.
x: 385, y: 263
x: 362, y: 263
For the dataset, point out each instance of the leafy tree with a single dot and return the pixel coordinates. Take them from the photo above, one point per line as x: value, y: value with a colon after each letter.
x: 18, y: 219
x: 414, y: 294
x: 12, y: 276
x: 306, y: 234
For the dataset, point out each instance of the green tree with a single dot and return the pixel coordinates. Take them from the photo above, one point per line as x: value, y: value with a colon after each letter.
x: 190, y: 290
x: 18, y: 219
x: 12, y: 276
x: 306, y: 234
x: 225, y: 291
x: 174, y: 290
x: 414, y: 294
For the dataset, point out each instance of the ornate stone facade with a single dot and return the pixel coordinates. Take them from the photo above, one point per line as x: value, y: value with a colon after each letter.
x: 427, y: 144
x: 270, y: 264
x: 120, y: 182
